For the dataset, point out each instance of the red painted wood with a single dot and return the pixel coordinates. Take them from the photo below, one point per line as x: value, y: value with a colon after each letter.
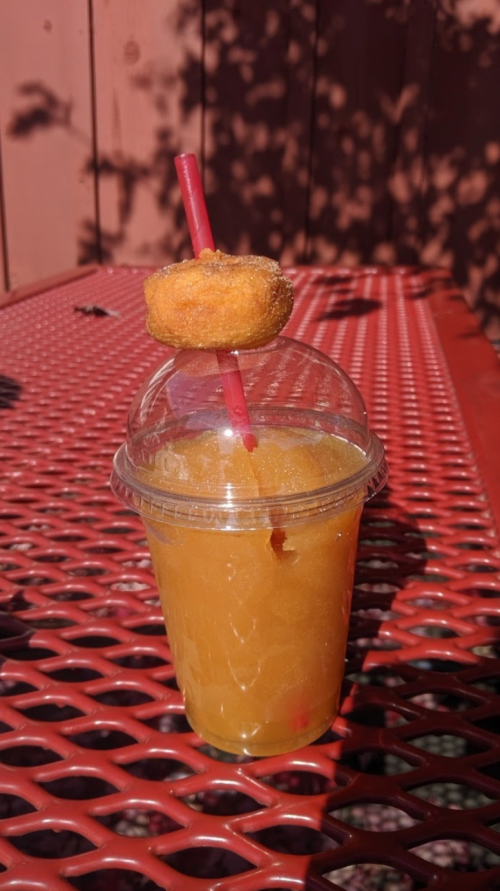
x: 300, y: 78
x: 46, y: 135
x: 246, y: 123
x: 148, y: 109
x: 356, y: 132
x: 4, y: 280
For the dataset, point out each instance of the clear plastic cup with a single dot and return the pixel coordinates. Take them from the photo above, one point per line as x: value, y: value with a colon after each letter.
x: 253, y: 553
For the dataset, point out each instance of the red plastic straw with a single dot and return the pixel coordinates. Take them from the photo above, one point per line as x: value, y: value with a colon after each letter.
x: 201, y: 237
x: 194, y: 203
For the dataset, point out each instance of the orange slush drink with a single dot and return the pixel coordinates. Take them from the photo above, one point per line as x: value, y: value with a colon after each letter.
x: 257, y: 618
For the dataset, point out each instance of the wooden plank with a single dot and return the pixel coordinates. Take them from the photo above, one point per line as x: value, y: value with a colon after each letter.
x: 4, y: 273
x: 297, y: 158
x: 245, y: 124
x: 460, y: 198
x: 407, y: 183
x: 46, y: 139
x: 148, y: 96
x: 357, y: 113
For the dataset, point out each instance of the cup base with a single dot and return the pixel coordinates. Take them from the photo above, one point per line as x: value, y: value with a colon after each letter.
x: 259, y: 750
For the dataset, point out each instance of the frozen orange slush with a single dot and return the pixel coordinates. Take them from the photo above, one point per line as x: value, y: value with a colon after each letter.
x: 253, y: 551
x: 257, y: 618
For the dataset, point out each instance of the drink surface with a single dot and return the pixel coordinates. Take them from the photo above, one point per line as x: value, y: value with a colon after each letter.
x: 257, y: 619
x: 286, y: 461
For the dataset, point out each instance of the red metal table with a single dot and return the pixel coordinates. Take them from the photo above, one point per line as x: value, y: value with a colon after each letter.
x: 102, y: 783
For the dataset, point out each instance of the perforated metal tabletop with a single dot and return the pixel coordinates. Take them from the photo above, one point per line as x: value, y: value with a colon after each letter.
x: 102, y: 783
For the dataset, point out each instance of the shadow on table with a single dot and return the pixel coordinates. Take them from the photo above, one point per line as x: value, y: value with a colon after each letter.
x: 344, y: 302
x: 10, y: 391
x: 350, y: 306
x: 14, y: 635
x: 357, y: 753
x: 384, y: 529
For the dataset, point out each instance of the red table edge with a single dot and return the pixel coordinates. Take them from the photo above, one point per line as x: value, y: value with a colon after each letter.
x: 474, y: 368
x: 8, y: 298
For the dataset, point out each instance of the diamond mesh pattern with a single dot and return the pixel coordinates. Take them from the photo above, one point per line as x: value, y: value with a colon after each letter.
x: 102, y: 783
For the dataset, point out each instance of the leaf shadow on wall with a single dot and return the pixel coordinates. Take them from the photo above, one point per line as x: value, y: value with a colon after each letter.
x: 363, y: 134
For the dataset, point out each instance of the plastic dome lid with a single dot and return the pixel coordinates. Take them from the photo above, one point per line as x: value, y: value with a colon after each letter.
x: 182, y: 463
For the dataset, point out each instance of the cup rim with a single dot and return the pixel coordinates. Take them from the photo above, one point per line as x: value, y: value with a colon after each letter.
x: 161, y: 505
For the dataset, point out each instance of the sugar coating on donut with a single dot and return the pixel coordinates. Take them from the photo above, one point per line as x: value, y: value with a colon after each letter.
x: 218, y: 302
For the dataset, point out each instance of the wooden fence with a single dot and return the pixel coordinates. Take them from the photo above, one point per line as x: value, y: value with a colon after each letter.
x: 328, y: 130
